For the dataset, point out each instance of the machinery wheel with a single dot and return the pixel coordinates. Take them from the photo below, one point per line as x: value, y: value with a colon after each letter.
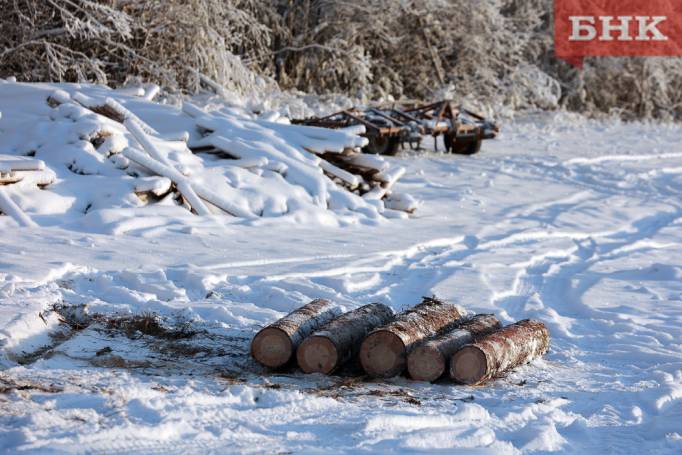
x: 382, y: 145
x: 461, y: 147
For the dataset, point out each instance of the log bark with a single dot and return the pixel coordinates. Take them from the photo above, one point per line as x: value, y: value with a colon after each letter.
x: 500, y: 351
x: 428, y: 361
x: 384, y: 352
x: 338, y: 341
x: 274, y: 345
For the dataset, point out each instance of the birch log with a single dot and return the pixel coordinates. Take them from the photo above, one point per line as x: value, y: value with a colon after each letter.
x: 384, y: 352
x: 428, y: 361
x: 275, y: 344
x: 500, y: 351
x: 338, y: 341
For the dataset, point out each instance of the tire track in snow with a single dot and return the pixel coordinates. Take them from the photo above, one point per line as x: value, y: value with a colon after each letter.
x: 552, y: 286
x: 549, y: 274
x: 401, y: 277
x: 622, y: 158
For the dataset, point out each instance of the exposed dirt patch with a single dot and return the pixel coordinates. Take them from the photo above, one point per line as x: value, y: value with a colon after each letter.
x: 8, y: 385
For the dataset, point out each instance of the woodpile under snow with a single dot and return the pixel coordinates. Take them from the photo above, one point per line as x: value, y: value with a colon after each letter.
x: 431, y: 340
x: 20, y: 173
x: 212, y: 161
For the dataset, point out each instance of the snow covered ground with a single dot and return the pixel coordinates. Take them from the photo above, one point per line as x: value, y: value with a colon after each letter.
x: 575, y: 222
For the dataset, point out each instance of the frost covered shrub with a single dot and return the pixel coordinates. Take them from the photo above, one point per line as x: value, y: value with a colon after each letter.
x: 496, y: 53
x: 108, y: 41
x: 388, y: 47
x: 632, y: 88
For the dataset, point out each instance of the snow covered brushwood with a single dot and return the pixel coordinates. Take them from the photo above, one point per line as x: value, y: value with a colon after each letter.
x: 224, y: 161
x: 429, y: 360
x: 384, y: 352
x: 337, y: 342
x: 275, y: 344
x: 326, y: 162
x: 500, y: 351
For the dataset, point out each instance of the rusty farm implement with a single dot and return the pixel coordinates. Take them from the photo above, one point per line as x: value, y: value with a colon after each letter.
x: 390, y: 128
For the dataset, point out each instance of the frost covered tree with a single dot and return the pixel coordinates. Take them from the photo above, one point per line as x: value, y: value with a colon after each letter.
x: 497, y: 53
x: 109, y: 41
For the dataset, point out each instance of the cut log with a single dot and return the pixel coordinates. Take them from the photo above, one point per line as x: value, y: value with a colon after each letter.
x: 158, y: 186
x: 96, y: 107
x: 428, y: 361
x: 389, y: 176
x: 175, y: 176
x: 131, y: 91
x: 9, y: 165
x: 275, y: 344
x: 384, y: 352
x: 10, y: 177
x: 10, y: 208
x: 177, y: 136
x: 352, y: 180
x: 368, y: 162
x: 338, y: 341
x: 189, y: 191
x: 375, y: 194
x: 144, y: 140
x: 402, y: 202
x: 39, y: 178
x: 500, y: 351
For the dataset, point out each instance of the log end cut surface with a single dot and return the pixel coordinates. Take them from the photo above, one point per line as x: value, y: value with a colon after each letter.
x: 469, y: 365
x: 317, y: 354
x: 382, y: 354
x: 425, y: 363
x: 272, y: 347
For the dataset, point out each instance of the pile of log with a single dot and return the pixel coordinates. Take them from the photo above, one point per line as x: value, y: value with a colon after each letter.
x: 336, y: 152
x: 327, y: 163
x: 432, y: 340
x: 20, y: 172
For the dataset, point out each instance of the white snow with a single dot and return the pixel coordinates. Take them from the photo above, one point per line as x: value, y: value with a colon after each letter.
x: 572, y: 221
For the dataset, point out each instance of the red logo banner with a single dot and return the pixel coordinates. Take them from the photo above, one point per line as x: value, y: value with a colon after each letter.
x: 587, y: 28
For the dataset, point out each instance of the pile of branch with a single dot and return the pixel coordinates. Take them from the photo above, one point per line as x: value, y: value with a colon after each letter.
x: 28, y: 172
x: 326, y: 163
x: 150, y: 156
x: 336, y: 152
x: 428, y: 341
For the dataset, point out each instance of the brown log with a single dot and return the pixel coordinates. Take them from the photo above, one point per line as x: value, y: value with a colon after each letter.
x: 384, y: 352
x: 428, y: 361
x: 338, y: 341
x: 500, y: 351
x: 276, y: 344
x: 10, y: 177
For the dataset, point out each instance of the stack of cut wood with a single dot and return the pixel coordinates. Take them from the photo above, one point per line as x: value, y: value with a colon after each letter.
x: 21, y: 172
x: 149, y: 153
x: 326, y: 163
x: 336, y: 152
x: 431, y: 340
